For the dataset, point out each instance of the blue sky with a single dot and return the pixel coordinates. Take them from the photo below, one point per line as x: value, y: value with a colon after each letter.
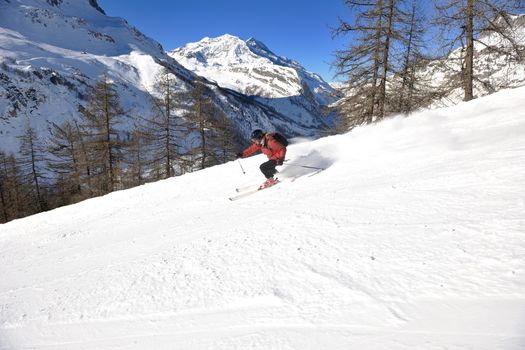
x: 296, y: 29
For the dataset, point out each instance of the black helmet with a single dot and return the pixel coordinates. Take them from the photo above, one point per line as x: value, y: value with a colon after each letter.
x: 257, y: 134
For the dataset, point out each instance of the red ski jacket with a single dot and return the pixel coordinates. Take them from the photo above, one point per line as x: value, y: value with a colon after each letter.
x: 269, y: 146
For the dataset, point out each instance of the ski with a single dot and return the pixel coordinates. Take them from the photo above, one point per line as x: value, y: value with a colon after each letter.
x: 245, y: 188
x: 245, y: 193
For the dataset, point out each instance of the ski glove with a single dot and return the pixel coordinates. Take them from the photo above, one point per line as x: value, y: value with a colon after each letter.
x: 279, y: 161
x: 238, y: 155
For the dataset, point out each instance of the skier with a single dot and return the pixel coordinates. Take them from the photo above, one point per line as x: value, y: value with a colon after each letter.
x: 274, y: 150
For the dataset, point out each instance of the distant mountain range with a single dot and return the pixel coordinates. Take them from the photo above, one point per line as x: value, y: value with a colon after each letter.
x: 52, y: 51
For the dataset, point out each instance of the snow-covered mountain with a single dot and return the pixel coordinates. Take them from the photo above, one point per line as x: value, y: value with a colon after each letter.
x: 251, y: 68
x: 52, y: 51
x: 412, y: 238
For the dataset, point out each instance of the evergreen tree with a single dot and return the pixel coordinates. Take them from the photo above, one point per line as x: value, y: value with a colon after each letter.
x: 200, y: 118
x: 4, y: 204
x: 164, y: 129
x: 32, y: 166
x: 11, y: 183
x: 85, y: 159
x: 101, y: 116
x: 65, y: 151
x: 224, y: 137
x: 135, y: 158
x: 212, y: 129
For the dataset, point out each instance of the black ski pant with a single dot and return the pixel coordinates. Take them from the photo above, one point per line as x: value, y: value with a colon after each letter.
x: 268, y: 168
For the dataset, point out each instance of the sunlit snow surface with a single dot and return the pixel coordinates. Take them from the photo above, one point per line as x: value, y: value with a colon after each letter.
x: 412, y: 238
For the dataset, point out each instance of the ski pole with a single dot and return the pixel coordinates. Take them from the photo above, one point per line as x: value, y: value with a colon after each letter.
x: 306, y: 166
x: 241, y: 166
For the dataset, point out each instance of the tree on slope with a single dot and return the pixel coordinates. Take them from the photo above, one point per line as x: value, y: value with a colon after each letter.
x: 65, y: 160
x: 136, y: 158
x: 366, y: 63
x: 12, y: 188
x: 31, y: 161
x: 224, y: 137
x: 101, y: 116
x: 4, y: 178
x: 462, y: 22
x: 410, y: 91
x: 164, y: 128
x: 210, y: 125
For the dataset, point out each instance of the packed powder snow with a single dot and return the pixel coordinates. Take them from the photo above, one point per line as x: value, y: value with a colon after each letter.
x: 412, y: 238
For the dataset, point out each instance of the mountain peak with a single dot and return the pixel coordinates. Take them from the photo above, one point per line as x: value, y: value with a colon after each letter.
x: 251, y: 68
x: 226, y: 49
x: 220, y: 40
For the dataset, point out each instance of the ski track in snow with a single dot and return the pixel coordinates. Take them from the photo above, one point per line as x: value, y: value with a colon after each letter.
x: 412, y: 238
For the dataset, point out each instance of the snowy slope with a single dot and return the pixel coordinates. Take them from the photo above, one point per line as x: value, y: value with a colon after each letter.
x: 412, y: 238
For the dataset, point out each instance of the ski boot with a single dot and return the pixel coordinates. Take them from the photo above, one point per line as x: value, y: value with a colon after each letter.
x: 268, y: 183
